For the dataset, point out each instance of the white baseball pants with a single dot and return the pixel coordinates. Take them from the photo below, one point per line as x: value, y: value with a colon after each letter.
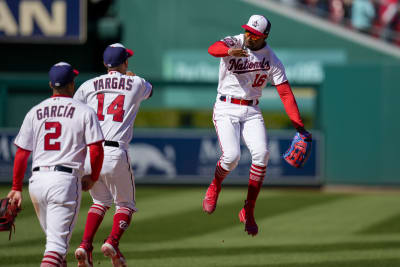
x: 116, y: 183
x: 233, y: 122
x: 56, y: 197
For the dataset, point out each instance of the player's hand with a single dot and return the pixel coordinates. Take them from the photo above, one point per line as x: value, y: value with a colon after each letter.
x: 87, y: 182
x: 15, y: 197
x: 130, y: 73
x: 237, y: 52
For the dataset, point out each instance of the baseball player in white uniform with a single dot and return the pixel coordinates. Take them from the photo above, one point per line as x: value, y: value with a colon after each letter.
x: 247, y: 65
x: 116, y: 97
x: 57, y: 132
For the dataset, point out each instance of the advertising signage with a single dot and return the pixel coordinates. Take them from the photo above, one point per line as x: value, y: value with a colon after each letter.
x: 43, y: 21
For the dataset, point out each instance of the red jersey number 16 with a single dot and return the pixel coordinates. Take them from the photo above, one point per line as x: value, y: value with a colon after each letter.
x: 259, y: 80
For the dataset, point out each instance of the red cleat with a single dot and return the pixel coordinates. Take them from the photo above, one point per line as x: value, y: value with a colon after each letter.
x: 110, y: 249
x: 246, y: 216
x: 84, y: 255
x: 211, y: 197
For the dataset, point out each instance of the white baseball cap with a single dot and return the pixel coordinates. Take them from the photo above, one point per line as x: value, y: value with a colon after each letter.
x: 258, y: 25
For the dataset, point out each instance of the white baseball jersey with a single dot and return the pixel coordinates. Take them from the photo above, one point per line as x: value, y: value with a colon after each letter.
x: 116, y: 98
x: 245, y: 77
x: 57, y: 131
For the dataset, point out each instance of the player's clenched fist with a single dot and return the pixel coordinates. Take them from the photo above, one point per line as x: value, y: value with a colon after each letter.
x: 237, y: 52
x: 87, y: 182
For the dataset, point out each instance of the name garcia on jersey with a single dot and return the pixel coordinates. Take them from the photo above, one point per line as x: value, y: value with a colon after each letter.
x: 119, y: 83
x: 55, y: 111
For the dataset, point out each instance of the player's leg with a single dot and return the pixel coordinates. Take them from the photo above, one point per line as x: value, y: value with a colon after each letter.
x: 38, y: 189
x: 37, y: 192
x: 63, y: 200
x: 228, y: 132
x: 102, y: 200
x: 255, y: 137
x: 121, y: 185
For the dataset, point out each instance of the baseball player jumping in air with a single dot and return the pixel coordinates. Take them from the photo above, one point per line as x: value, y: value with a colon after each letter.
x: 247, y: 65
x: 115, y: 97
x: 57, y: 131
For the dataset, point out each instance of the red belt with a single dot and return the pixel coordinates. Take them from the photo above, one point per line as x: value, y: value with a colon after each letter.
x: 240, y: 101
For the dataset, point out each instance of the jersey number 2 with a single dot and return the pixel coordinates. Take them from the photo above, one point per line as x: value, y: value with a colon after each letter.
x: 259, y: 80
x: 54, y: 135
x: 116, y: 108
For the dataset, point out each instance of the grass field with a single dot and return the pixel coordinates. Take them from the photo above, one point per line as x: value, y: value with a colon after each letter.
x: 298, y: 228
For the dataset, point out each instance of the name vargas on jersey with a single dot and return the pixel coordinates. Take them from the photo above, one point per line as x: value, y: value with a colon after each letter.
x: 119, y: 83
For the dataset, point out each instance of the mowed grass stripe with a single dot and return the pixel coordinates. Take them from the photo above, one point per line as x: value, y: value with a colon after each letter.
x: 360, y: 259
x: 343, y: 217
x: 317, y: 256
x: 250, y: 249
x: 286, y: 218
x: 195, y: 222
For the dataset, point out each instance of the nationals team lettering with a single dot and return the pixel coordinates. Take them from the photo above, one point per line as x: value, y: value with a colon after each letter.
x: 241, y: 66
x: 55, y: 111
x: 119, y: 83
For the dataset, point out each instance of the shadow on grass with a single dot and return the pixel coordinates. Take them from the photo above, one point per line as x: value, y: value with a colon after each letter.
x: 391, y: 262
x: 195, y: 222
x: 260, y: 250
x: 37, y: 258
x: 387, y: 226
x: 251, y: 251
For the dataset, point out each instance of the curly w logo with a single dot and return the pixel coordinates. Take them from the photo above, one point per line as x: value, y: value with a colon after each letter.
x: 123, y: 225
x: 255, y: 23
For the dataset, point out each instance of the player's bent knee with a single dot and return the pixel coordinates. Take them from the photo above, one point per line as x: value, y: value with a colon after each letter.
x: 230, y: 162
x: 261, y: 157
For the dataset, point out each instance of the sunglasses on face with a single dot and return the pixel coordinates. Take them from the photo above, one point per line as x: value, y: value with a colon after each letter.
x: 253, y: 36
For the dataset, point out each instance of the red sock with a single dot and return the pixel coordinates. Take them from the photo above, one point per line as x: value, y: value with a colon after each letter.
x: 95, y: 217
x: 52, y: 259
x: 256, y: 179
x: 220, y: 174
x: 122, y: 219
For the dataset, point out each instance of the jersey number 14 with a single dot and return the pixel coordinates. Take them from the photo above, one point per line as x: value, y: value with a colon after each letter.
x: 116, y: 108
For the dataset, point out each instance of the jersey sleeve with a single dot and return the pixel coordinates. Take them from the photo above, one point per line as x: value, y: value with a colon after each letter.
x: 233, y: 41
x: 277, y: 74
x: 79, y: 94
x: 24, y: 138
x: 147, y: 89
x: 218, y: 49
x: 93, y: 133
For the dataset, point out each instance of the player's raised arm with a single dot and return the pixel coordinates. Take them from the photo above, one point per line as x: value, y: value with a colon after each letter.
x: 220, y: 49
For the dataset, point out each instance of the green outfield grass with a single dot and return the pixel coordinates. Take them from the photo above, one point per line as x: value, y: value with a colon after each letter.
x: 298, y: 228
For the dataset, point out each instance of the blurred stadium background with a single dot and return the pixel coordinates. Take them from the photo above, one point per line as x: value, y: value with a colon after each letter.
x: 346, y: 81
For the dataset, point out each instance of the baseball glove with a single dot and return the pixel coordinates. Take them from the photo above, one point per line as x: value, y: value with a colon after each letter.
x: 8, y: 212
x: 299, y: 150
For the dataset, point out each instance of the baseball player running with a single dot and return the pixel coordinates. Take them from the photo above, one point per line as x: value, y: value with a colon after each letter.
x: 247, y: 65
x: 57, y: 131
x: 115, y: 97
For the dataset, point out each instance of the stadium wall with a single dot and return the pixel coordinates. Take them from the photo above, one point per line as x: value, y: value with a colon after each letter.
x: 359, y: 116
